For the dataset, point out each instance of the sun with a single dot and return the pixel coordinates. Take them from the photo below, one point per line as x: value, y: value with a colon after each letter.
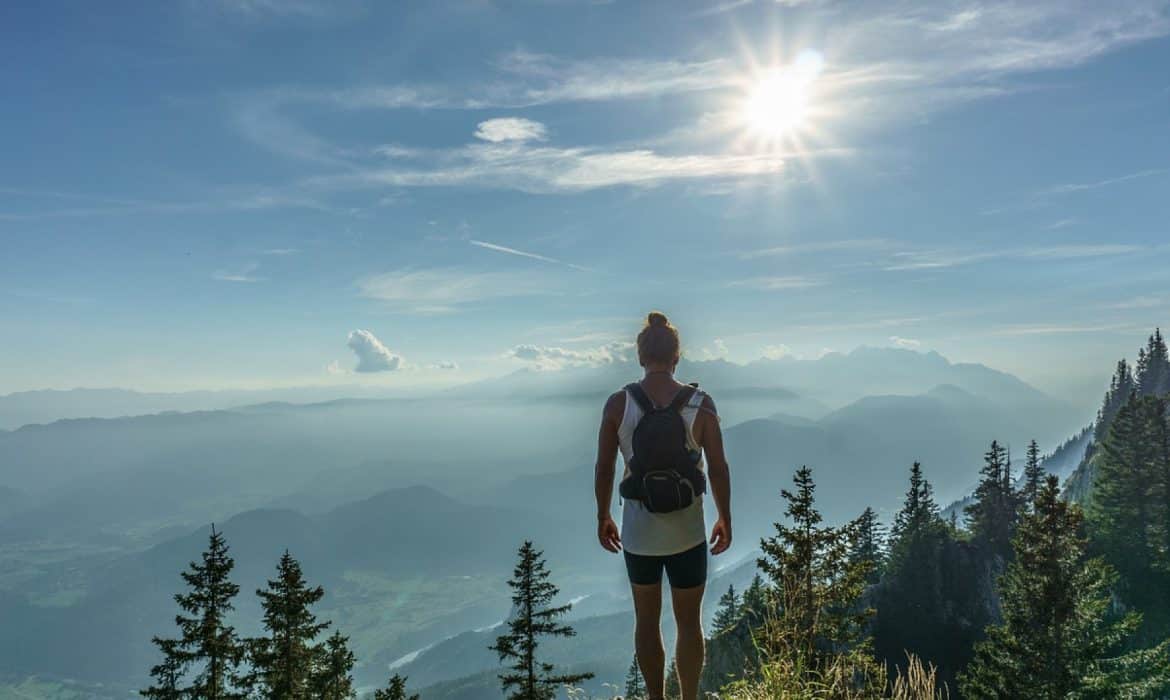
x: 778, y: 101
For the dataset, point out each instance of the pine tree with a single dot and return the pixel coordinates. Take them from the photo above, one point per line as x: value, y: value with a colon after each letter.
x: 918, y: 521
x: 727, y: 614
x: 867, y: 544
x: 818, y: 588
x: 395, y: 690
x: 1033, y: 476
x: 208, y: 646
x: 1055, y: 638
x: 635, y: 688
x: 532, y: 592
x: 1153, y: 372
x: 1129, y: 512
x: 672, y: 691
x: 283, y: 660
x: 1121, y: 386
x: 992, y: 517
x: 332, y: 679
x: 168, y: 674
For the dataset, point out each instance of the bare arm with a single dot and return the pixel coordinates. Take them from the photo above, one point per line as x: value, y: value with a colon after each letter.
x: 718, y: 474
x: 603, y: 471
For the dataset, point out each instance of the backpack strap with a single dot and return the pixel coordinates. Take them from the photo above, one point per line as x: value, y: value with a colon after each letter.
x: 635, y: 390
x: 683, y: 397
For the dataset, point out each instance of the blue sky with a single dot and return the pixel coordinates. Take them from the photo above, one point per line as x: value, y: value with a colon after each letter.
x: 219, y: 193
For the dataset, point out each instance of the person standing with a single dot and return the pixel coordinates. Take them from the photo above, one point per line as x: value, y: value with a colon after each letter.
x: 671, y: 444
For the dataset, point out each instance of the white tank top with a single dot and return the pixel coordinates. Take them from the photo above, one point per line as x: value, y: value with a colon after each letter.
x: 659, y: 534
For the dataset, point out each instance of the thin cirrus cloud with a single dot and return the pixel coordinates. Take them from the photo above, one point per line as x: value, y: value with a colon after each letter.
x: 775, y: 283
x: 243, y: 274
x: 372, y: 354
x: 524, y: 254
x: 446, y: 290
x: 538, y: 169
x: 930, y: 260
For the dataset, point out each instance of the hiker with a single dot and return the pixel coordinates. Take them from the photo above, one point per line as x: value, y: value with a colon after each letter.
x: 664, y: 430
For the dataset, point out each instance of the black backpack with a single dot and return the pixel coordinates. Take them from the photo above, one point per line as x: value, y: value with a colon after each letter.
x: 664, y: 471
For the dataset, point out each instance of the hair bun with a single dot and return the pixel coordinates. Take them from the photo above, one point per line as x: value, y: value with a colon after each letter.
x: 657, y: 318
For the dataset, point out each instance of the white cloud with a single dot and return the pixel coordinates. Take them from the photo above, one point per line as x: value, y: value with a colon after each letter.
x: 510, y: 129
x: 334, y: 368
x: 445, y: 365
x: 777, y: 352
x: 442, y: 290
x: 775, y: 283
x: 815, y: 247
x: 524, y: 254
x: 372, y: 355
x: 281, y: 251
x: 937, y: 259
x: 243, y: 274
x: 907, y: 343
x: 717, y: 351
x: 1082, y: 186
x: 553, y: 358
x: 547, y: 169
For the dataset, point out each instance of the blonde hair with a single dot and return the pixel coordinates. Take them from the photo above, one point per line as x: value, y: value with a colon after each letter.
x: 658, y: 342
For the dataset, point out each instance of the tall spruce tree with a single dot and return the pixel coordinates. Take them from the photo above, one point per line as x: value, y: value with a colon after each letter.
x: 1153, y: 373
x: 867, y: 544
x: 1033, y: 476
x: 927, y: 602
x: 818, y: 589
x: 532, y: 592
x: 332, y: 673
x: 394, y: 690
x: 917, y: 525
x: 1056, y: 639
x: 727, y: 611
x: 1121, y: 386
x: 635, y: 688
x: 1129, y: 511
x: 673, y: 690
x: 992, y: 517
x: 168, y: 673
x: 208, y: 649
x: 284, y: 659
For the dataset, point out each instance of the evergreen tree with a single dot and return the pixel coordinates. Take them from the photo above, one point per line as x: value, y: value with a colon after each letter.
x: 208, y: 646
x: 1129, y: 512
x: 928, y: 603
x: 732, y: 650
x: 867, y: 544
x: 532, y: 592
x: 1120, y: 388
x: 1055, y: 637
x: 635, y: 688
x: 332, y: 679
x: 1033, y: 476
x: 672, y: 690
x: 818, y: 588
x: 283, y: 660
x: 168, y: 674
x: 992, y: 517
x: 728, y: 612
x: 395, y: 690
x: 917, y: 522
x: 1153, y: 373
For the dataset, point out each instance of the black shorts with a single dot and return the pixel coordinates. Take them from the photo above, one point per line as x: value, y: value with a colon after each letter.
x: 684, y: 570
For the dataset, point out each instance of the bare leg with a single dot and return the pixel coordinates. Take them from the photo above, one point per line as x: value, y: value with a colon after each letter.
x: 688, y: 613
x: 648, y: 637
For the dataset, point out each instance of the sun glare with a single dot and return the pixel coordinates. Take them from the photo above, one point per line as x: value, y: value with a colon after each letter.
x: 778, y: 102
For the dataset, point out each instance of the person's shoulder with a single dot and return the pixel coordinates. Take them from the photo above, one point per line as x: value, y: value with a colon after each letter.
x: 615, y: 405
